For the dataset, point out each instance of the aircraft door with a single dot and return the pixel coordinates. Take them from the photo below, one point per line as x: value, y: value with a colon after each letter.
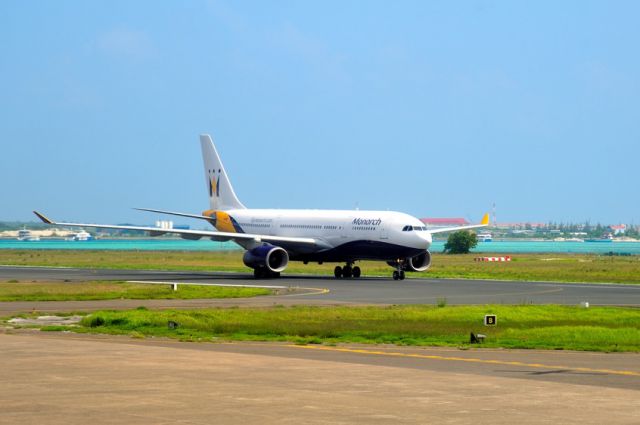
x: 345, y: 229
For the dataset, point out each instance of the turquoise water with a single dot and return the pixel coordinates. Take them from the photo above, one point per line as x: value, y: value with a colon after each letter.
x: 123, y: 244
x: 206, y: 245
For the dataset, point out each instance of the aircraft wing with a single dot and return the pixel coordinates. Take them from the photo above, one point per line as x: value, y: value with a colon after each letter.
x: 483, y: 223
x: 192, y: 234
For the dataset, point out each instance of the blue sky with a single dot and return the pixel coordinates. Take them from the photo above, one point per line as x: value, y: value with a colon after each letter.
x: 431, y: 108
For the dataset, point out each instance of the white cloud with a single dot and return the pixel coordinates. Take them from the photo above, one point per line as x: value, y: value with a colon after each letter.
x: 311, y: 51
x: 126, y: 43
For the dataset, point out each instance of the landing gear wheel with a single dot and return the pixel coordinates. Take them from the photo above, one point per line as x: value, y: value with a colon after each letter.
x: 258, y: 273
x: 347, y: 272
x: 401, y: 275
x: 356, y: 272
x: 396, y: 275
x: 337, y: 272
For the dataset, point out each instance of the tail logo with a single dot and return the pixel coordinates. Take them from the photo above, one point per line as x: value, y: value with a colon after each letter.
x: 214, y: 183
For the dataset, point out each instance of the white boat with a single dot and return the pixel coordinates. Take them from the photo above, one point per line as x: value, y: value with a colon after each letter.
x: 26, y: 236
x: 82, y: 235
x: 607, y: 237
x: 485, y: 237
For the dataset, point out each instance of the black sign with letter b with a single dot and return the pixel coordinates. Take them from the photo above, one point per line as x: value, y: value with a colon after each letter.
x: 490, y: 320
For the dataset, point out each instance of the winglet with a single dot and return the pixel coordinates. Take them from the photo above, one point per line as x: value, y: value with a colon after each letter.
x: 43, y: 218
x: 485, y: 219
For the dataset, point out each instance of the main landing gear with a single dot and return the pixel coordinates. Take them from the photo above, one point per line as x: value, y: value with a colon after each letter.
x: 347, y: 271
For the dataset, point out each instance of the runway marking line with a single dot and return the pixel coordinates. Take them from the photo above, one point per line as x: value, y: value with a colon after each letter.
x: 37, y: 267
x: 312, y: 291
x: 158, y: 282
x: 465, y: 359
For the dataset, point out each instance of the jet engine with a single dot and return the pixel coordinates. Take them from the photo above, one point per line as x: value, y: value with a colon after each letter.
x: 418, y: 263
x: 266, y: 258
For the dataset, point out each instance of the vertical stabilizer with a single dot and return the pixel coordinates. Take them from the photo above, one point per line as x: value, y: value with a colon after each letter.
x: 221, y: 194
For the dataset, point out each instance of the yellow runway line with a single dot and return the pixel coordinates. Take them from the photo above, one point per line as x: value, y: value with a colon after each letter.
x: 312, y: 291
x: 465, y: 359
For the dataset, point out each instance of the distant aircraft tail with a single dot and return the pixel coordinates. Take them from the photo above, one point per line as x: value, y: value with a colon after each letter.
x: 221, y: 194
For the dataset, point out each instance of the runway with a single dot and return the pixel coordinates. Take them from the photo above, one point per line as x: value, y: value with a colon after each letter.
x: 327, y: 290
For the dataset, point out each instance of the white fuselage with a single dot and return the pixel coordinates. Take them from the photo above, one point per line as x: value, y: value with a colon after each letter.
x: 343, y: 234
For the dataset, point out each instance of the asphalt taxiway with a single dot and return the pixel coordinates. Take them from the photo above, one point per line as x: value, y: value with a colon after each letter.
x: 328, y: 290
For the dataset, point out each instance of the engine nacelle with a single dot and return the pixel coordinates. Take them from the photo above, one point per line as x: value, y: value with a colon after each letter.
x: 418, y: 263
x: 268, y: 257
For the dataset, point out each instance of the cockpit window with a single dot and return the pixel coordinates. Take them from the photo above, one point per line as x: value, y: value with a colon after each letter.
x: 416, y: 228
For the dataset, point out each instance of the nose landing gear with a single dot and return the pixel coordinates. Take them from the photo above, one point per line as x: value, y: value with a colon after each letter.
x: 399, y: 273
x: 347, y: 271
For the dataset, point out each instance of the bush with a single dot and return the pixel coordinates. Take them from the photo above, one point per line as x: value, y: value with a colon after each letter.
x: 460, y: 242
x: 95, y: 321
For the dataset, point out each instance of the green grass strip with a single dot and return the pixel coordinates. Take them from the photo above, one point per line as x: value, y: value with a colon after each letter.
x: 544, y: 327
x: 83, y: 291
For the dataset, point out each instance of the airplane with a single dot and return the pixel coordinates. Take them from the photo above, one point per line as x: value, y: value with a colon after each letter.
x: 273, y: 237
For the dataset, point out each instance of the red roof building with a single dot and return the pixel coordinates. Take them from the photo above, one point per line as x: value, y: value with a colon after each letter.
x: 522, y: 225
x: 618, y: 229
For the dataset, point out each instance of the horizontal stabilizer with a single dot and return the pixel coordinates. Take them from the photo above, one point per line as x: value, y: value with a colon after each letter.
x: 179, y: 214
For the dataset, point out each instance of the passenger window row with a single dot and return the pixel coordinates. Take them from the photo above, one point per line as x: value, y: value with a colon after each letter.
x: 301, y: 226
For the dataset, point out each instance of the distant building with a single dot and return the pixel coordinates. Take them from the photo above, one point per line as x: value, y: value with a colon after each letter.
x: 164, y: 224
x: 618, y: 229
x: 444, y: 222
x: 521, y: 226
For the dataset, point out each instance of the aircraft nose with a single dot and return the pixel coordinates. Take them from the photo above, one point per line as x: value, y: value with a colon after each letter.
x: 426, y: 237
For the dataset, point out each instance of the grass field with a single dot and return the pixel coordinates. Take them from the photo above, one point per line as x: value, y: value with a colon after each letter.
x: 543, y: 267
x: 56, y: 291
x: 544, y: 327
